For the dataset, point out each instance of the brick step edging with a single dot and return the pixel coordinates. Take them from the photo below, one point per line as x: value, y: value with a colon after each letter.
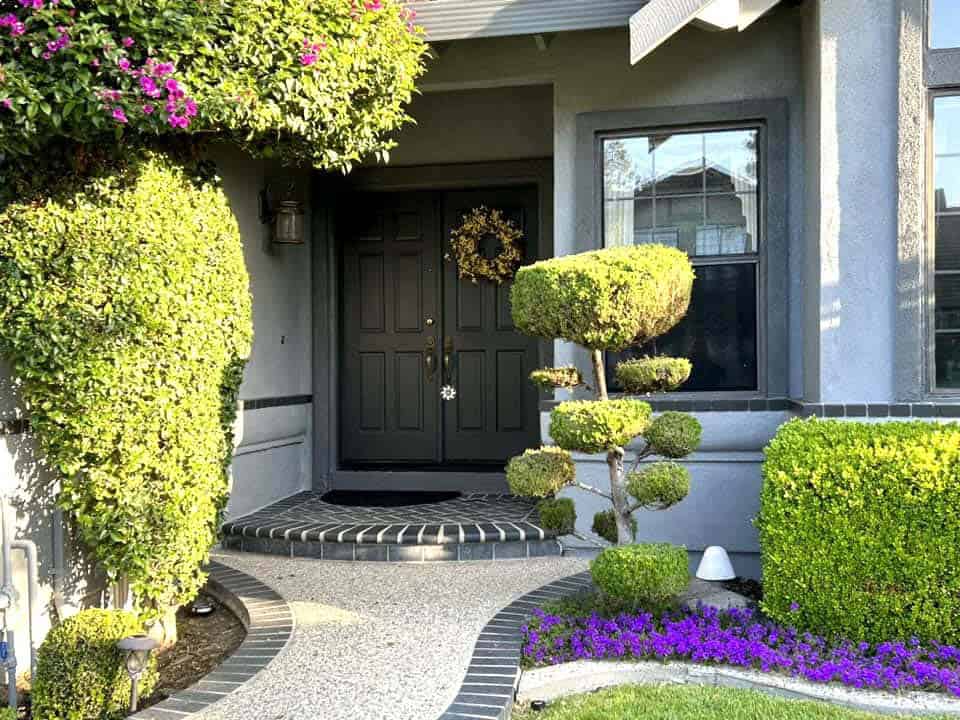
x: 269, y: 623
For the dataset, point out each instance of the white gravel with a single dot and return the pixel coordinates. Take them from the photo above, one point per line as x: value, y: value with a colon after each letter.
x: 376, y: 640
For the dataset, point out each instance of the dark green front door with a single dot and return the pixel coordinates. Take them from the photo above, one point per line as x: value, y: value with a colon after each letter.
x: 410, y: 327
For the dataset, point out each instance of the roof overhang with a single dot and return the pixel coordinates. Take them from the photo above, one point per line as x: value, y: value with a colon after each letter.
x: 460, y: 19
x: 659, y: 20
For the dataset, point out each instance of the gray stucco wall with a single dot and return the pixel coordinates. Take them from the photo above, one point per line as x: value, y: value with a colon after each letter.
x: 851, y: 223
x: 272, y: 460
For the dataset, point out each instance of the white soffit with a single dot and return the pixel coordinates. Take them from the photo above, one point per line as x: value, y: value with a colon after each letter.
x: 658, y: 20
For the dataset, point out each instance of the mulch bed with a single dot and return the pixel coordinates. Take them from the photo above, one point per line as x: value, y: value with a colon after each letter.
x: 204, y: 643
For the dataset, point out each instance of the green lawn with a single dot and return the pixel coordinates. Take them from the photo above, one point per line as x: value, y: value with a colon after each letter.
x: 679, y: 702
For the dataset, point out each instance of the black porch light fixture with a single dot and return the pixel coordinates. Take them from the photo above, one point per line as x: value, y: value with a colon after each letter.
x: 138, y: 649
x: 285, y: 216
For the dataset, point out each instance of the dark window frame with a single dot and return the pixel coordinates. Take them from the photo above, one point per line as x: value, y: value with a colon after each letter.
x: 942, y: 79
x: 770, y: 117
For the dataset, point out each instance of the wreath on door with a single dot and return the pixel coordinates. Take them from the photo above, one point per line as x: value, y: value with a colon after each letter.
x: 465, y: 241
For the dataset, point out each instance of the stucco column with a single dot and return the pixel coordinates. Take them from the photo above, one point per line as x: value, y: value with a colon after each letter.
x: 850, y: 268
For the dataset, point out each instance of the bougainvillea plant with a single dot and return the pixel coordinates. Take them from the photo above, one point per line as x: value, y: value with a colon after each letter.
x: 740, y: 638
x: 324, y: 82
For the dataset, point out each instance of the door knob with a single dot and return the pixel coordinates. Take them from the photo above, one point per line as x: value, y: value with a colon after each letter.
x: 429, y: 322
x: 447, y: 358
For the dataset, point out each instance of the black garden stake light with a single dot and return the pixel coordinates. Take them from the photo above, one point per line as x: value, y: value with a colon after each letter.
x: 138, y: 649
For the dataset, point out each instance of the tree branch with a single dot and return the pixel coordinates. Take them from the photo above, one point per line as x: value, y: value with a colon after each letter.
x: 599, y: 374
x: 591, y: 489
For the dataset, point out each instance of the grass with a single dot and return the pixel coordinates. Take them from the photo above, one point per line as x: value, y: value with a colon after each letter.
x: 679, y: 702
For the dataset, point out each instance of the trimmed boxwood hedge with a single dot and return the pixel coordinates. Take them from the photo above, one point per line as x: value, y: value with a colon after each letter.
x: 126, y: 315
x: 860, y: 529
x: 648, y: 572
x: 81, y: 674
x: 590, y: 426
x: 607, y: 299
x: 540, y: 472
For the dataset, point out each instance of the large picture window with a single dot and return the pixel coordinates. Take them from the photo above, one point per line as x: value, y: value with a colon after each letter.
x: 946, y: 240
x: 944, y: 24
x: 696, y: 190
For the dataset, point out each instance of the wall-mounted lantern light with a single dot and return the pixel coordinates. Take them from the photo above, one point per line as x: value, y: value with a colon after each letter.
x: 285, y: 216
x: 138, y: 649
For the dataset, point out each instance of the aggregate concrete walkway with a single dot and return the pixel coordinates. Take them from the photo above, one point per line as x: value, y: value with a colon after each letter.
x: 376, y: 641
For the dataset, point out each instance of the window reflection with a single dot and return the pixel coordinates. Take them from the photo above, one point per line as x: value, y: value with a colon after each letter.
x: 944, y: 24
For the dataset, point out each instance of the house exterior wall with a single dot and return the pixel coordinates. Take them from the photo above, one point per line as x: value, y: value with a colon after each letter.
x: 273, y: 457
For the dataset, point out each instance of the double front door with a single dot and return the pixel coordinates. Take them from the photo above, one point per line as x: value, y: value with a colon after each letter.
x: 432, y: 371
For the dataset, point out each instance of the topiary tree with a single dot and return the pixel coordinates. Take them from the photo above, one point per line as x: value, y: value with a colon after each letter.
x: 610, y: 300
x: 125, y: 313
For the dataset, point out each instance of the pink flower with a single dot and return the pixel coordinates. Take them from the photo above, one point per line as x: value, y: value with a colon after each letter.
x: 95, y: 62
x: 123, y: 64
x: 308, y: 59
x: 127, y: 42
x: 162, y: 69
x: 17, y: 29
x: 7, y: 103
x: 149, y: 87
x: 178, y: 121
x: 148, y: 109
x: 373, y: 5
x: 119, y: 115
x: 190, y: 107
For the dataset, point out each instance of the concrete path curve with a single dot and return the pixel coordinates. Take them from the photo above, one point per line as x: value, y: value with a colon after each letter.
x: 378, y: 641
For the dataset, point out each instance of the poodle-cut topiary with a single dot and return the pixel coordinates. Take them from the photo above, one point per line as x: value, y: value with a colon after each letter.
x: 612, y: 300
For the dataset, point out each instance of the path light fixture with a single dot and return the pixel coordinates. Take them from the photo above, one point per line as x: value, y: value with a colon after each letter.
x: 138, y: 649
x: 201, y: 607
x: 715, y: 565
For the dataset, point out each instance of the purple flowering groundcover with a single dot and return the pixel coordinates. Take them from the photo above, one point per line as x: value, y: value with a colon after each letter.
x: 741, y: 639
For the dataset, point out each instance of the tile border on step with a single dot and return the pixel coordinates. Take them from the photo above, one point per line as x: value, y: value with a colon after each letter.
x: 391, y: 552
x: 269, y: 622
x: 493, y: 673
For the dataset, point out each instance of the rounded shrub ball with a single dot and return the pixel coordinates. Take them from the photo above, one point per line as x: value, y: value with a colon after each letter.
x: 605, y: 525
x: 556, y: 377
x: 81, y: 675
x: 540, y: 473
x: 660, y: 485
x: 593, y: 426
x: 653, y: 374
x: 557, y: 514
x: 674, y: 434
x: 635, y: 574
x: 607, y: 299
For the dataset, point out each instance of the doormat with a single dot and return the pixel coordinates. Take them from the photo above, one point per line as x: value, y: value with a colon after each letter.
x: 386, y: 498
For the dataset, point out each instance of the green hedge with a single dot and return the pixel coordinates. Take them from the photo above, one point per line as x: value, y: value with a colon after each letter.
x: 558, y: 514
x: 674, y: 434
x: 653, y: 374
x: 605, y: 525
x: 659, y: 485
x: 81, y: 675
x: 636, y: 574
x: 591, y: 426
x: 606, y: 299
x: 541, y: 472
x: 859, y: 529
x: 556, y: 377
x: 125, y: 312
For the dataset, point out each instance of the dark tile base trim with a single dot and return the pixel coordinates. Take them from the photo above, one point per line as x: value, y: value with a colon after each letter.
x: 269, y: 623
x: 390, y: 552
x: 271, y: 402
x: 919, y: 410
x: 490, y: 685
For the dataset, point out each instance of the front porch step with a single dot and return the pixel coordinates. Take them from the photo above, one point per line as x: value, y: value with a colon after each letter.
x: 469, y: 527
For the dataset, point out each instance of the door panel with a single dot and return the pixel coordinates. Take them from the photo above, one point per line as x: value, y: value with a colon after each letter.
x: 390, y: 286
x: 393, y: 362
x: 495, y: 413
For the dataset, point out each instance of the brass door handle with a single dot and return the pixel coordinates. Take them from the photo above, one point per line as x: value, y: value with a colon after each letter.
x: 428, y: 359
x: 447, y: 359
